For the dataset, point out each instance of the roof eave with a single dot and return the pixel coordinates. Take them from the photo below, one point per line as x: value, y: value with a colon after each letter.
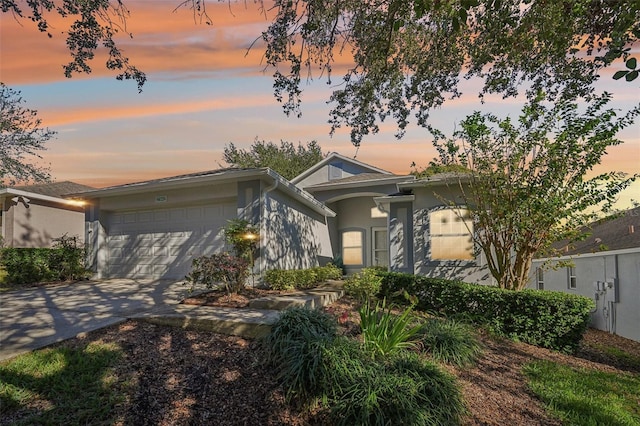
x: 169, y: 183
x: 302, y: 195
x: 35, y: 196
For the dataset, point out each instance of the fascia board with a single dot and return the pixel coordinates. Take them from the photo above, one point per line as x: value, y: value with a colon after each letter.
x: 358, y: 184
x: 434, y: 181
x: 394, y: 198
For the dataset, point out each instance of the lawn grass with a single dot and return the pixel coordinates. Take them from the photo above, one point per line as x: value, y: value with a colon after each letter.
x: 61, y: 385
x: 586, y: 397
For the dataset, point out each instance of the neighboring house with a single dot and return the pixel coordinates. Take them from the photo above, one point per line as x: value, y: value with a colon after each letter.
x: 339, y: 208
x: 606, y: 268
x: 33, y: 216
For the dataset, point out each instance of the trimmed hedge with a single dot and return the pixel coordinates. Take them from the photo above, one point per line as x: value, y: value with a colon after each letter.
x: 290, y: 279
x: 65, y: 261
x: 552, y: 320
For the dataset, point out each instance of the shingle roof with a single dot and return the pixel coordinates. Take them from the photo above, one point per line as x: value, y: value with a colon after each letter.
x: 55, y: 189
x: 173, y: 178
x: 621, y: 232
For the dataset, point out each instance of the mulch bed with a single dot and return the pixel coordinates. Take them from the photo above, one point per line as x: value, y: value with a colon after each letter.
x: 222, y: 298
x: 176, y: 376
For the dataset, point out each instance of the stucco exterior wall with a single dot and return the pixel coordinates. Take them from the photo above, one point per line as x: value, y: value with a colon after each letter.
x: 40, y: 223
x: 293, y: 236
x: 171, y: 198
x: 622, y: 268
x: 425, y: 202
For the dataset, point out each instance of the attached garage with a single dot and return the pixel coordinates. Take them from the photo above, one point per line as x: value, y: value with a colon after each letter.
x: 160, y: 243
x: 154, y: 229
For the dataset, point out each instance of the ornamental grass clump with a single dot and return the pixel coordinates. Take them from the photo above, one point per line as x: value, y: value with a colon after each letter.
x: 384, y: 332
x: 401, y: 389
x: 295, y: 347
x: 450, y: 341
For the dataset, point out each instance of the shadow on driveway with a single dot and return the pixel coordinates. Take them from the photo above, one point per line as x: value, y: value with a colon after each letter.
x: 34, y: 318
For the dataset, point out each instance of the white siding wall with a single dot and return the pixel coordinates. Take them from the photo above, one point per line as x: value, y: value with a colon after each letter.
x: 622, y: 317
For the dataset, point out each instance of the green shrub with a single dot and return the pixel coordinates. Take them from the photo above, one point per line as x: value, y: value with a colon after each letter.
x: 399, y: 390
x: 280, y: 279
x: 220, y: 268
x: 328, y: 272
x: 385, y: 333
x: 243, y: 238
x: 549, y: 319
x: 295, y: 347
x: 450, y: 341
x: 67, y: 258
x: 289, y: 279
x: 364, y: 285
x: 64, y: 261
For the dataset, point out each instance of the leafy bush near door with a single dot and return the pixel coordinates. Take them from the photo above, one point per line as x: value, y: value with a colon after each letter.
x: 290, y: 279
x: 364, y: 285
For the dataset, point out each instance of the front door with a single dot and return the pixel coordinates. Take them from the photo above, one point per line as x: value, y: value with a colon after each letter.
x: 380, y: 247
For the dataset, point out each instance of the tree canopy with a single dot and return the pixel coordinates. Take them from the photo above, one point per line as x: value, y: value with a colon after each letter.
x: 409, y: 56
x: 21, y: 140
x: 286, y: 159
x: 525, y: 182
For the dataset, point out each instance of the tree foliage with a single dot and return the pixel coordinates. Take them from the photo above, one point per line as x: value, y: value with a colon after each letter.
x: 528, y: 184
x: 409, y: 55
x: 288, y: 160
x: 21, y: 140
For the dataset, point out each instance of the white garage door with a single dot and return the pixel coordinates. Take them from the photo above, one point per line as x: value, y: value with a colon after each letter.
x: 161, y: 243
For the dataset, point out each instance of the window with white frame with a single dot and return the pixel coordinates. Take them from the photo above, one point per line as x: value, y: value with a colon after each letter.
x: 353, y: 247
x: 572, y: 280
x: 539, y: 278
x: 451, y: 234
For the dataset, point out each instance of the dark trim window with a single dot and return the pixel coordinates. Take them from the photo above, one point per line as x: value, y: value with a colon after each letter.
x: 451, y: 234
x: 540, y: 278
x: 572, y: 279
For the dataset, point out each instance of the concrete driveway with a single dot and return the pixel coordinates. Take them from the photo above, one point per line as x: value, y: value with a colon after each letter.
x: 33, y: 318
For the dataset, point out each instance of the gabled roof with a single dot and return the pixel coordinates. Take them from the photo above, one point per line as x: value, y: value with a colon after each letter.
x: 210, y: 176
x: 618, y: 233
x: 333, y: 156
x: 55, y: 189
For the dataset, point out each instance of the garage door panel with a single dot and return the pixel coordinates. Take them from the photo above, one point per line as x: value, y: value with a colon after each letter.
x: 162, y: 243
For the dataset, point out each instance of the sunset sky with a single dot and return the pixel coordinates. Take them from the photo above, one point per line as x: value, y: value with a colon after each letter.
x: 203, y: 91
